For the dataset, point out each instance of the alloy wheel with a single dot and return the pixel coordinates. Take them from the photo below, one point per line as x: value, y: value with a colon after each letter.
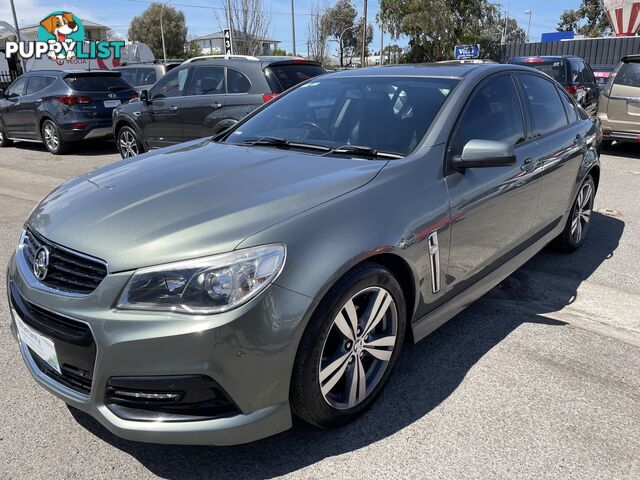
x: 358, y: 347
x: 128, y: 144
x: 1, y: 135
x: 582, y: 213
x: 51, y: 136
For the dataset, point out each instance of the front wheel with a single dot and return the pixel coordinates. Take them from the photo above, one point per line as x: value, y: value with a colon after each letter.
x: 129, y: 144
x: 349, y: 347
x: 575, y: 230
x: 52, y: 138
x: 4, y: 140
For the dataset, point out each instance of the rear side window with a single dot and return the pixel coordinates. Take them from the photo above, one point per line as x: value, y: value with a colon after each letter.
x: 146, y: 76
x: 493, y: 113
x: 96, y: 83
x: 569, y: 107
x: 546, y: 106
x: 237, y: 82
x: 207, y: 81
x: 38, y: 83
x: 556, y: 69
x: 628, y: 75
x: 283, y: 77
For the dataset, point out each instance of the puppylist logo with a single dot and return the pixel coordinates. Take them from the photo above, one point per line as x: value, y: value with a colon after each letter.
x: 61, y: 36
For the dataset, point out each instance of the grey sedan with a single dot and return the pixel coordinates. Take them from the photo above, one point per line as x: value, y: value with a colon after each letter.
x: 207, y: 292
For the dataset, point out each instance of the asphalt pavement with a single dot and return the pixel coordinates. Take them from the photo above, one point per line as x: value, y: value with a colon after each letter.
x: 538, y: 379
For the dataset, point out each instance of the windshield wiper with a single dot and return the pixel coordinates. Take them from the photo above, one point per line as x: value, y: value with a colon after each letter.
x: 363, y: 151
x: 284, y: 143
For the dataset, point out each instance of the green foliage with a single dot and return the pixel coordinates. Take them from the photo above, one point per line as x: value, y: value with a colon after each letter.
x: 192, y: 49
x: 279, y: 52
x: 589, y: 19
x: 146, y: 28
x: 341, y: 25
x: 435, y: 27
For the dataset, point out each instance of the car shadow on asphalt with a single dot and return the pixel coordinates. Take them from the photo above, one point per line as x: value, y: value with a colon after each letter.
x: 88, y: 148
x: 622, y: 149
x: 425, y: 376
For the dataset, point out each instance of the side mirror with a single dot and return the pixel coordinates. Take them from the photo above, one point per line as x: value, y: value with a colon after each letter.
x: 485, y: 153
x: 144, y: 97
x: 2, y: 94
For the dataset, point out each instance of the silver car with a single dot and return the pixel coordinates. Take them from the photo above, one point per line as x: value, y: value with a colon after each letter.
x: 207, y: 292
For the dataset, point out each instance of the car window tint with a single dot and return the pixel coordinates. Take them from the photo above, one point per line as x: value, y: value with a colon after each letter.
x: 17, y: 88
x: 35, y: 84
x: 283, y: 77
x: 128, y: 75
x: 96, y: 83
x: 207, y: 81
x: 493, y: 113
x: 145, y: 76
x: 556, y: 69
x: 237, y: 82
x: 546, y: 106
x: 171, y: 85
x: 569, y: 107
x: 589, y: 77
x: 628, y: 75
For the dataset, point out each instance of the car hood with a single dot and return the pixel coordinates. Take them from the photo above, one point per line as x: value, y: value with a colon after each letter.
x: 192, y: 200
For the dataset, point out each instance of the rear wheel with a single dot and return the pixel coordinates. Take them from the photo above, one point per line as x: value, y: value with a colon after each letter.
x: 52, y: 138
x: 575, y: 231
x: 349, y: 347
x: 129, y: 144
x: 4, y: 141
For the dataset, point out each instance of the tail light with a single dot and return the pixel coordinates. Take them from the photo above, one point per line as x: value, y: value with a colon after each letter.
x: 69, y: 100
x: 266, y: 97
x: 571, y: 90
x: 534, y: 60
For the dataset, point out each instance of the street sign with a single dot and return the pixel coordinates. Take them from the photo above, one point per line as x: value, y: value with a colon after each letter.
x: 462, y: 52
x: 228, y: 46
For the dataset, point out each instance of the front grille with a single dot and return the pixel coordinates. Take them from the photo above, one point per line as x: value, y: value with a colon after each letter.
x: 73, y: 340
x: 68, y: 271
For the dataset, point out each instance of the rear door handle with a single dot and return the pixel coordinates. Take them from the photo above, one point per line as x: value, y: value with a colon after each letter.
x: 216, y: 105
x: 173, y: 108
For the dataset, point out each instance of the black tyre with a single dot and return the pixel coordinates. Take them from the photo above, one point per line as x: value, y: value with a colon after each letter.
x: 52, y: 138
x: 349, y: 347
x: 577, y: 226
x: 4, y: 141
x: 128, y: 143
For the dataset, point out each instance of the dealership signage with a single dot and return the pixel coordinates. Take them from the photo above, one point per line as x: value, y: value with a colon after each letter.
x: 462, y: 52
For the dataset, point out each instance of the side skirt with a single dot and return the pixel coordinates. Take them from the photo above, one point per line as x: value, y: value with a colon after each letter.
x: 433, y: 320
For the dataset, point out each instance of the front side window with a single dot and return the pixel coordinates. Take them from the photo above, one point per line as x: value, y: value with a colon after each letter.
x: 207, y: 81
x: 18, y: 88
x: 546, y: 106
x: 493, y: 113
x: 171, y: 85
x: 386, y: 114
x: 569, y: 107
x: 35, y: 84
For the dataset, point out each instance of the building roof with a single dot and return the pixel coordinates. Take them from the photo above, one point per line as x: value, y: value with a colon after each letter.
x: 220, y: 36
x: 86, y: 23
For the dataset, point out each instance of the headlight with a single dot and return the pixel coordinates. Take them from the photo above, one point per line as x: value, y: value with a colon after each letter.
x: 205, y: 285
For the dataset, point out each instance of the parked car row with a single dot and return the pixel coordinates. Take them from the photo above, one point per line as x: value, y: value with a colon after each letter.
x: 202, y: 96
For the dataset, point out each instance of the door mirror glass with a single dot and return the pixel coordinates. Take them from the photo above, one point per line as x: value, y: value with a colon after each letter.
x: 485, y: 153
x: 144, y: 96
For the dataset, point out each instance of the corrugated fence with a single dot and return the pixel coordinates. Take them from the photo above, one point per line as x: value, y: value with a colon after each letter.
x: 596, y: 51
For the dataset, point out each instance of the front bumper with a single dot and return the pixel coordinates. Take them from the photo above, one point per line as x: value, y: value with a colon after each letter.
x: 248, y: 351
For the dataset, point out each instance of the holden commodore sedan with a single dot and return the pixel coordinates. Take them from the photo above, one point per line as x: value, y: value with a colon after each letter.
x: 207, y: 292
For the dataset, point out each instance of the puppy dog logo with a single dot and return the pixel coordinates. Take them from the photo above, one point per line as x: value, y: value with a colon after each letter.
x: 61, y: 27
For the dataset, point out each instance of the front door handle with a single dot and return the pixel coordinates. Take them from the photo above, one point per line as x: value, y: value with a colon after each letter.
x: 529, y: 165
x: 216, y: 105
x: 173, y: 108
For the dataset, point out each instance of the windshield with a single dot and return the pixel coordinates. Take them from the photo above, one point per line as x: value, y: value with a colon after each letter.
x: 386, y: 114
x: 96, y: 83
x: 283, y: 77
x: 554, y: 68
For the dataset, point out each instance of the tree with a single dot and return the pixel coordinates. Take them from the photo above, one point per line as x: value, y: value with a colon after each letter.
x: 279, y: 52
x: 318, y: 33
x: 341, y: 23
x: 250, y: 24
x: 590, y: 20
x: 193, y: 49
x: 146, y: 28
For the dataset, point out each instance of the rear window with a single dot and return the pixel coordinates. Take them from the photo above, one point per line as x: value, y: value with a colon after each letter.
x: 96, y: 83
x: 554, y: 68
x: 283, y: 77
x: 628, y: 75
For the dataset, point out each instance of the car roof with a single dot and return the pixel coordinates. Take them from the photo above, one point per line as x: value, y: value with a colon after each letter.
x: 263, y: 61
x: 546, y: 57
x: 450, y: 70
x: 631, y: 58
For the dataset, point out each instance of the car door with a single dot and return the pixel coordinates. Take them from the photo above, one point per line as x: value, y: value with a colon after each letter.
x: 203, y: 106
x: 492, y: 209
x: 160, y: 116
x: 560, y: 138
x: 30, y: 103
x: 10, y: 112
x: 623, y: 98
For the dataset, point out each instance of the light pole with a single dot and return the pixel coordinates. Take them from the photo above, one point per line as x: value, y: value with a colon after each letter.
x: 506, y: 21
x: 164, y: 50
x: 293, y: 28
x: 15, y: 22
x: 528, y: 12
x: 363, y: 61
x: 340, y: 43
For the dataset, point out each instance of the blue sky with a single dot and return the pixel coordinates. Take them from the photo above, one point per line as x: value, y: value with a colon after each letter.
x: 201, y: 18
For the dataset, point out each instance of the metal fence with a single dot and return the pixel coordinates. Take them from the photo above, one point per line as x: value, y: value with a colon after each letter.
x: 596, y: 51
x: 6, y: 78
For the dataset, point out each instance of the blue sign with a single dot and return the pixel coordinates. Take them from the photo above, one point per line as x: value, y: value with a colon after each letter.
x: 557, y: 36
x: 462, y: 52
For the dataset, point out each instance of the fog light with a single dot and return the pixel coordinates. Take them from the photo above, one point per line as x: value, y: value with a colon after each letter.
x: 148, y: 395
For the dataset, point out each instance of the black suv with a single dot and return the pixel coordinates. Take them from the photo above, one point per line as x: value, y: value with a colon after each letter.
x: 204, y: 96
x: 59, y: 107
x: 573, y: 73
